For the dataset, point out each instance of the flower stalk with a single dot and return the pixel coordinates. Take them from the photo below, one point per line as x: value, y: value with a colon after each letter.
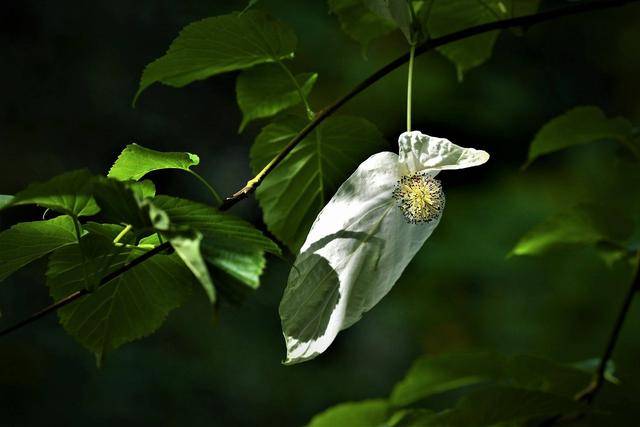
x: 412, y: 54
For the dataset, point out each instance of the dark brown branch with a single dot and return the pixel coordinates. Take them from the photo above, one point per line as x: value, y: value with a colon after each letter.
x: 589, y: 393
x: 524, y: 21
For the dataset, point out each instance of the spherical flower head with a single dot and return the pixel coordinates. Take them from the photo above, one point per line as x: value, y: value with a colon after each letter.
x: 419, y: 197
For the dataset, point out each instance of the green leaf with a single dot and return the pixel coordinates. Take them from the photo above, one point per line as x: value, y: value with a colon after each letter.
x: 120, y: 204
x: 69, y: 193
x: 293, y: 194
x: 136, y: 161
x: 368, y: 413
x: 28, y: 241
x: 581, y: 125
x: 220, y: 44
x: 402, y: 13
x: 433, y: 375
x: 129, y: 307
x: 585, y: 224
x: 5, y: 200
x: 359, y: 22
x: 497, y: 406
x: 144, y: 189
x: 187, y: 246
x: 265, y: 90
x: 229, y: 243
x: 438, y: 374
x: 445, y: 17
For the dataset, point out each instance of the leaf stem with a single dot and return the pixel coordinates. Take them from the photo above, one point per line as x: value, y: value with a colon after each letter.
x: 303, y: 98
x: 214, y: 194
x: 78, y: 227
x: 122, y: 233
x: 412, y: 54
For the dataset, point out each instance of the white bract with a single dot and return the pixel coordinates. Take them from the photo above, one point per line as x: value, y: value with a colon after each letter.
x: 364, y: 238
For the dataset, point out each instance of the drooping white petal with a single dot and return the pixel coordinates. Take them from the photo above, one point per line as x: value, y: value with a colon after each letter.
x: 355, y: 252
x: 420, y: 152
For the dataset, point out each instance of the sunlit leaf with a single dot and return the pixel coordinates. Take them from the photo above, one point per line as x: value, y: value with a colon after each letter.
x: 220, y: 44
x: 580, y: 125
x: 368, y: 413
x: 129, y: 307
x: 229, y: 243
x: 265, y: 90
x: 586, y: 224
x: 187, y: 246
x: 359, y: 22
x: 28, y: 241
x: 143, y: 189
x: 298, y: 188
x: 123, y: 205
x: 68, y: 193
x: 136, y: 161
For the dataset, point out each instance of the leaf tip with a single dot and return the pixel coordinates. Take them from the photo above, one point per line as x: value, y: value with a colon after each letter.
x: 194, y: 159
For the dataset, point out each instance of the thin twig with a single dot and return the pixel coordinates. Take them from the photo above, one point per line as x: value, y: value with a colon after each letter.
x: 79, y: 294
x: 429, y: 45
x: 589, y: 393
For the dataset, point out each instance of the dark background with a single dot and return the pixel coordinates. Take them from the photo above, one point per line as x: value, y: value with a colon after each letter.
x: 69, y: 71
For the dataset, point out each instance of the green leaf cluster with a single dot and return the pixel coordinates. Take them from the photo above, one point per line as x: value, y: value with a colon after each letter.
x: 252, y: 41
x: 578, y: 126
x: 445, y: 17
x: 101, y: 224
x: 608, y: 226
x: 220, y: 44
x: 127, y: 219
x: 134, y: 305
x: 266, y: 88
x: 479, y: 389
x: 366, y: 20
x: 106, y: 222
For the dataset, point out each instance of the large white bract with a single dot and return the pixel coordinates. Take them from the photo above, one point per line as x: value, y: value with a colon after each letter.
x: 363, y: 239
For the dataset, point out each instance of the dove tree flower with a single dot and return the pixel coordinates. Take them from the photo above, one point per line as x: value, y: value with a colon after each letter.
x: 363, y: 239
